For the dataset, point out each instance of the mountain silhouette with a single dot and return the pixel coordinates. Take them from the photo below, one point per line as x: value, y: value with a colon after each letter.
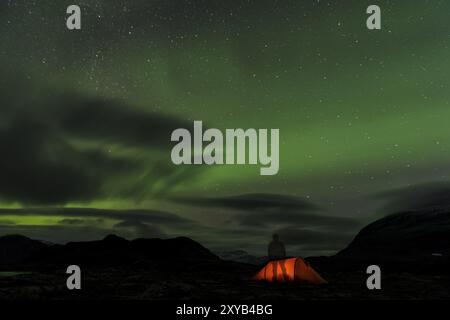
x: 16, y: 249
x: 110, y: 251
x: 241, y: 256
x: 410, y: 235
x: 415, y: 241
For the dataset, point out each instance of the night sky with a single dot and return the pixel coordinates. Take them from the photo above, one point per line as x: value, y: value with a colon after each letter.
x: 86, y: 118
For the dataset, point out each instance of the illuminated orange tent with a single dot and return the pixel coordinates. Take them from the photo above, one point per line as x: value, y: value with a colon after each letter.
x: 292, y: 269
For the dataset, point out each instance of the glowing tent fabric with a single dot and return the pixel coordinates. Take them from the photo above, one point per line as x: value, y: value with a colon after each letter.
x: 292, y: 269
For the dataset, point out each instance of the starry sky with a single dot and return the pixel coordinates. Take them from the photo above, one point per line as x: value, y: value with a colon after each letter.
x: 86, y: 118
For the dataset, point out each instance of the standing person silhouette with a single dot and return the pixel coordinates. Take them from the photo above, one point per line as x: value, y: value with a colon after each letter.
x: 276, y: 253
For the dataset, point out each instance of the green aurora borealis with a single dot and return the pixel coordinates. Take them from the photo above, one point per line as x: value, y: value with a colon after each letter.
x: 360, y: 112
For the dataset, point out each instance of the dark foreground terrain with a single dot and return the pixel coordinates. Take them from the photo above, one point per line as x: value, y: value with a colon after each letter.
x: 412, y: 249
x: 133, y: 270
x: 222, y: 285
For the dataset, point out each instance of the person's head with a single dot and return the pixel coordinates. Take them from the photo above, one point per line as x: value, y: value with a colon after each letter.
x: 275, y: 237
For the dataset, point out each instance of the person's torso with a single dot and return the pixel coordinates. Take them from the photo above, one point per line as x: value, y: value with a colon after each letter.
x: 276, y: 250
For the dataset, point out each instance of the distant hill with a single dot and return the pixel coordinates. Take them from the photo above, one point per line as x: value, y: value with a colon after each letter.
x: 240, y: 256
x: 16, y: 249
x: 110, y: 251
x: 417, y: 240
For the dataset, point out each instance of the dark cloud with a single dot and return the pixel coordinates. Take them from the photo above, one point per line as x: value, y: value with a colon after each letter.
x: 7, y: 222
x: 313, y: 239
x: 300, y: 224
x: 254, y: 201
x: 39, y: 166
x: 55, y: 149
x: 112, y: 121
x: 142, y: 215
x: 267, y: 210
x: 298, y: 240
x: 267, y: 219
x: 140, y: 229
x: 71, y: 221
x: 433, y: 194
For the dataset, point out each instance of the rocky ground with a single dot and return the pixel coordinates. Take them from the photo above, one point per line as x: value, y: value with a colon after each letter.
x: 221, y: 285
